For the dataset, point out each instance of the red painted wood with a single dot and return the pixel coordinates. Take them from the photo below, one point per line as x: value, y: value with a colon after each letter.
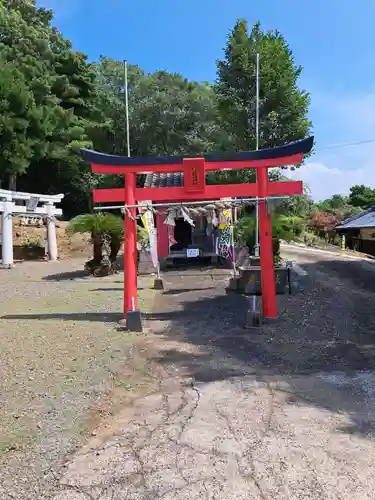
x: 288, y: 188
x: 269, y: 302
x: 211, y: 192
x: 108, y: 195
x: 262, y: 189
x: 178, y: 167
x: 194, y: 175
x: 162, y: 236
x: 130, y: 248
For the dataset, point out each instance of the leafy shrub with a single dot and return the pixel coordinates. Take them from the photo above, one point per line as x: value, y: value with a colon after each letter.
x: 283, y: 228
x: 31, y: 242
x: 106, y: 230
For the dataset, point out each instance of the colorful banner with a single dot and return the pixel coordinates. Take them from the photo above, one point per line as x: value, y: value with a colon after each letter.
x: 224, y: 241
x: 226, y: 219
x: 148, y: 216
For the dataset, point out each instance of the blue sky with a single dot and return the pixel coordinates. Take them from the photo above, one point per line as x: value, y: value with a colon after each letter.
x: 331, y: 39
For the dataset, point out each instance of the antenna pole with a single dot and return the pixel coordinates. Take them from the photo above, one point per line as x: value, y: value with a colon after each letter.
x: 126, y: 107
x: 256, y: 249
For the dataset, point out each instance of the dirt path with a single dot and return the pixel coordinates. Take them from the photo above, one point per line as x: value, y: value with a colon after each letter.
x: 287, y: 412
x: 64, y: 368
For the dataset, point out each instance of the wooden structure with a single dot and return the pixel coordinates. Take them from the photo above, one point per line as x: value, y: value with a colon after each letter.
x: 27, y: 204
x: 358, y: 232
x: 195, y: 188
x: 174, y: 241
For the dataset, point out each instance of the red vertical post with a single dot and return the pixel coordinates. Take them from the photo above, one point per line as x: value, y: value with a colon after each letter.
x: 266, y: 252
x: 162, y: 235
x: 130, y: 247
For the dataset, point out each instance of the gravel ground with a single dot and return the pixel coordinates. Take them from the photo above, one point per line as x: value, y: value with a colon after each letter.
x: 284, y: 412
x: 64, y: 368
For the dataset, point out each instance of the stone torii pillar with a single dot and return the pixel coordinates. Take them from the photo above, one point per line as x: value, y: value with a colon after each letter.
x: 51, y: 231
x: 28, y: 207
x: 7, y: 231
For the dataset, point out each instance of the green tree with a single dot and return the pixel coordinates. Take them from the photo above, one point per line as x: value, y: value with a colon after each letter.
x: 110, y: 99
x: 24, y: 42
x: 60, y: 85
x: 283, y: 105
x: 172, y: 115
x: 338, y: 205
x: 331, y: 205
x: 168, y: 113
x: 295, y: 206
x: 362, y: 196
x: 80, y: 119
x: 284, y: 227
x: 18, y: 116
x: 107, y: 233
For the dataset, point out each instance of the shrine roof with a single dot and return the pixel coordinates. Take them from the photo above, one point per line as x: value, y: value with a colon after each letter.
x: 362, y: 220
x: 303, y: 146
x: 173, y: 179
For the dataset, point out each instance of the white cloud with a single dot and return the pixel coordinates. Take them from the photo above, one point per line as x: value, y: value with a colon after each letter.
x: 340, y: 120
x: 324, y: 181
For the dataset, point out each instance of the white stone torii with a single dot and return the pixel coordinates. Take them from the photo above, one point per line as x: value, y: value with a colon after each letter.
x: 8, y: 208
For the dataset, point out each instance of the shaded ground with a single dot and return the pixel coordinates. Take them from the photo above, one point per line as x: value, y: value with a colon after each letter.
x: 284, y: 412
x: 64, y: 368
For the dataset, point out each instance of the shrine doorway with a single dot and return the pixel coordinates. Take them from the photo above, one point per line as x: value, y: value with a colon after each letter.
x: 182, y: 235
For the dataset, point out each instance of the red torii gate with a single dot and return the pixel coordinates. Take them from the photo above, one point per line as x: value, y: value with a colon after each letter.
x: 195, y: 189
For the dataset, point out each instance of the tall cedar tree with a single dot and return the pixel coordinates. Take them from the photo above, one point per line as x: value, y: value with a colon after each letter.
x: 283, y: 105
x: 60, y: 87
x: 31, y: 115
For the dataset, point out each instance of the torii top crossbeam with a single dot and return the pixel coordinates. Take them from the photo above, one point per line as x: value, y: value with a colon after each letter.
x: 291, y: 154
x: 195, y: 188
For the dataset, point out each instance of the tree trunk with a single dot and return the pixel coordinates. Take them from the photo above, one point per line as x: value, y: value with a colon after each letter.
x: 276, y: 246
x: 13, y: 182
x: 115, y: 248
x: 94, y: 263
x: 97, y: 242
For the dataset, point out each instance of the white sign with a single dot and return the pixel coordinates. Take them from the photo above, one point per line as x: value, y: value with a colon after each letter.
x: 32, y: 203
x: 192, y: 252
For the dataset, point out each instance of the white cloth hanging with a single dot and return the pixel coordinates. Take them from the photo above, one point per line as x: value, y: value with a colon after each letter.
x: 186, y: 217
x: 171, y: 218
x: 215, y: 220
x: 177, y: 213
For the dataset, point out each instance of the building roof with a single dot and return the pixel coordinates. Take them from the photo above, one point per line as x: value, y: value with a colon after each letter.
x: 173, y: 179
x: 362, y: 220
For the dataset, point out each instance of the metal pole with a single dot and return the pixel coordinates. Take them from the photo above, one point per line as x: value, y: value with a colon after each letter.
x: 257, y: 102
x: 127, y: 107
x: 342, y: 244
x: 233, y: 223
x: 256, y: 249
